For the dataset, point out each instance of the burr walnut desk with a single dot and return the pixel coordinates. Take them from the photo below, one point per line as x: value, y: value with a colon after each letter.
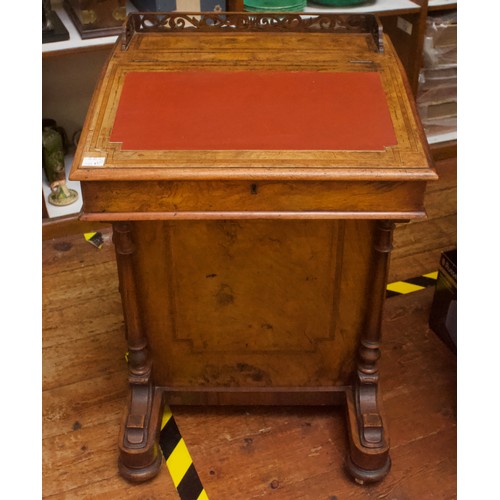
x: 253, y: 167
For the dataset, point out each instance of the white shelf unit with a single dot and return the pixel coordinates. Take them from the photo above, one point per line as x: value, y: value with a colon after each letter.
x: 75, y: 41
x: 442, y: 3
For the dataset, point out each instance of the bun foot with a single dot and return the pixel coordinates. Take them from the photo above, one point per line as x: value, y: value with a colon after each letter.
x: 363, y: 476
x: 143, y: 474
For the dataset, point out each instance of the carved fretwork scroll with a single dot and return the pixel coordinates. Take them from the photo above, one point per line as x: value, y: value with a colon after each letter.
x: 165, y: 22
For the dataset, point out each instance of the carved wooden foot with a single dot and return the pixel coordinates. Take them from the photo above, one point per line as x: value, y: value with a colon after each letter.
x: 140, y: 457
x: 368, y: 460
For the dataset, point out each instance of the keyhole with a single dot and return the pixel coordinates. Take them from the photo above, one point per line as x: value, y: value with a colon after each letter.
x: 253, y: 188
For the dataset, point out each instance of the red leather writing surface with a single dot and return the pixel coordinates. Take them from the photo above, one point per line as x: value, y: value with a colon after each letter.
x: 274, y: 110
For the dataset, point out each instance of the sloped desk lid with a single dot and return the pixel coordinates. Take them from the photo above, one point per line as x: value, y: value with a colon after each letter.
x: 253, y: 110
x: 219, y: 104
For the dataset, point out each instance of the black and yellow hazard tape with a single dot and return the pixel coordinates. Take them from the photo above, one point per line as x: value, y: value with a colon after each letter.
x: 95, y: 239
x: 178, y: 460
x: 411, y: 285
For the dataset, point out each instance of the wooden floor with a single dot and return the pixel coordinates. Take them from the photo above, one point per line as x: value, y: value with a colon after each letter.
x: 242, y: 453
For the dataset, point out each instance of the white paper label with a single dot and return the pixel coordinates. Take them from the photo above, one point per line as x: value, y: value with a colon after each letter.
x: 93, y: 161
x: 405, y: 25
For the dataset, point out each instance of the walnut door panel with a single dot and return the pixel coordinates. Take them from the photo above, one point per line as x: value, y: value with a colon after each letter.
x: 253, y: 303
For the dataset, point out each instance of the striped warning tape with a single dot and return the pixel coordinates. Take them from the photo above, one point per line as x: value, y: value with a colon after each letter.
x: 178, y: 460
x: 411, y: 285
x: 94, y: 239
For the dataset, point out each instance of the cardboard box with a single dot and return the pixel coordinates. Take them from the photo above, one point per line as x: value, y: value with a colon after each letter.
x: 443, y: 317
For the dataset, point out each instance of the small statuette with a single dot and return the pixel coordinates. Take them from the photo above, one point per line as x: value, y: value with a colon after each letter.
x: 53, y: 165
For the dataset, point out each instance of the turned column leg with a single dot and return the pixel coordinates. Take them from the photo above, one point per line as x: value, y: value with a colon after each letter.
x: 369, y: 445
x: 139, y: 454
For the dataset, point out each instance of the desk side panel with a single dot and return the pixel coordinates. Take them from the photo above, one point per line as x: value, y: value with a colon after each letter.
x: 253, y: 303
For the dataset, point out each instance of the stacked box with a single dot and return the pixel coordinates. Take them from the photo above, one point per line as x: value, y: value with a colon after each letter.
x: 180, y: 5
x: 96, y: 18
x: 437, y: 93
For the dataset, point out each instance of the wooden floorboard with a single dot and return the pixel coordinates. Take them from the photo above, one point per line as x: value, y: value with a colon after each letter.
x: 239, y: 453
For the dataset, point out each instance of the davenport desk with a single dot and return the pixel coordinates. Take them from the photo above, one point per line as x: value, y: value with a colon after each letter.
x: 253, y: 167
